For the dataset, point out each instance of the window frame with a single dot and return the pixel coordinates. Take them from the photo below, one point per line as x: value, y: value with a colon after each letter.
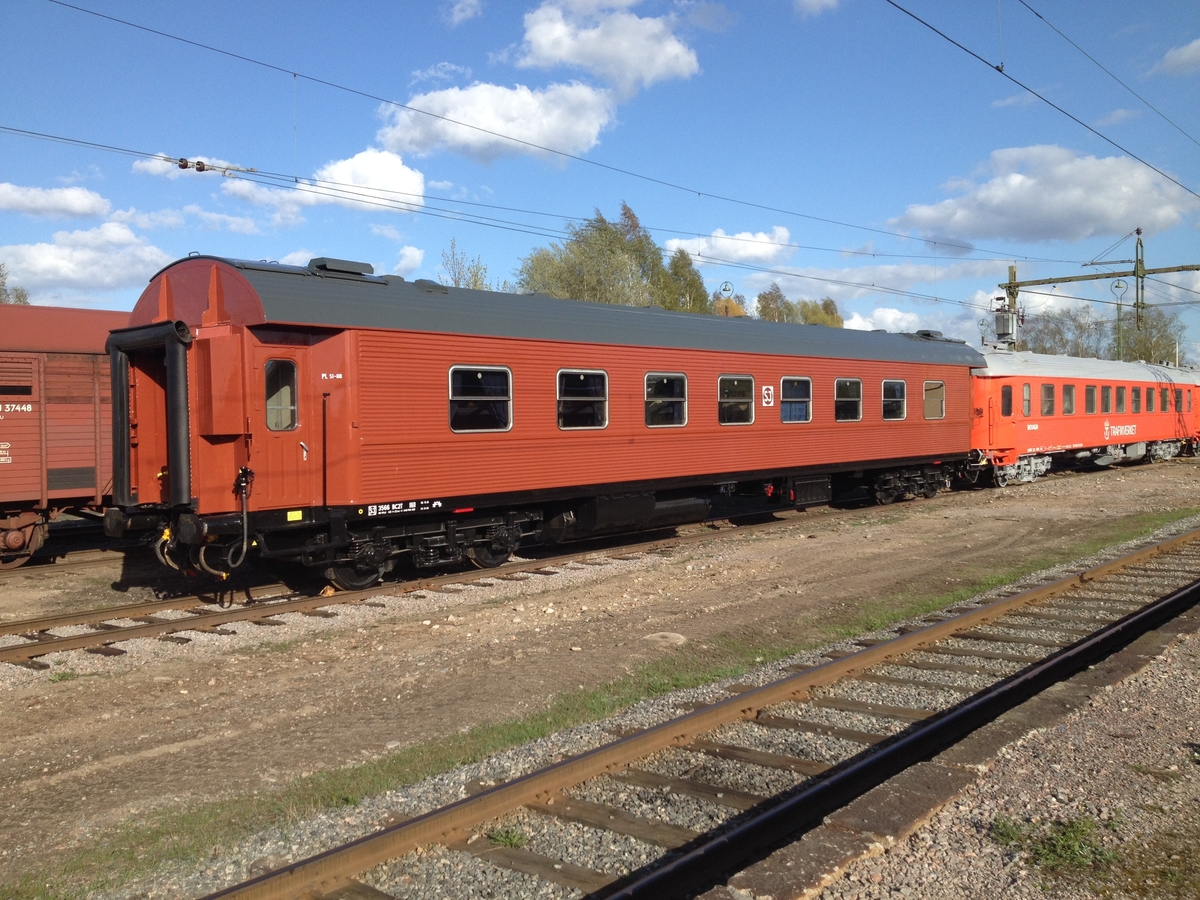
x: 450, y: 398
x: 1121, y: 405
x: 885, y: 400
x: 1048, y: 393
x: 751, y: 401
x: 1178, y: 400
x: 1026, y: 400
x: 684, y: 400
x: 1068, y: 399
x: 925, y: 400
x: 1164, y: 396
x: 1135, y: 400
x: 295, y: 385
x: 558, y: 399
x: 1150, y: 392
x: 837, y: 400
x: 784, y: 400
x: 1006, y: 400
x: 1106, y: 401
x: 1089, y: 399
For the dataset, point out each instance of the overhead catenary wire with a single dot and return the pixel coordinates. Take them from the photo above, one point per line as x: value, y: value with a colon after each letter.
x: 1047, y: 101
x: 515, y: 140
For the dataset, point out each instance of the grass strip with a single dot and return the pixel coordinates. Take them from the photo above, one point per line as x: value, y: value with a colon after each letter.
x: 189, y: 836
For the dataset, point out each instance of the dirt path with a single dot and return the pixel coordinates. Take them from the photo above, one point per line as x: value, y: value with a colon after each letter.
x: 184, y: 724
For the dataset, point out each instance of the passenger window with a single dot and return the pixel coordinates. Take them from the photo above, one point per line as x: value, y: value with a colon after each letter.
x: 1178, y: 399
x: 1164, y: 394
x: 480, y: 399
x: 893, y: 400
x: 1106, y: 399
x: 935, y: 399
x: 281, y: 394
x: 1121, y: 399
x: 582, y: 399
x: 1047, y: 399
x: 1068, y: 399
x: 1150, y: 400
x: 795, y: 402
x: 1135, y: 399
x: 1089, y: 399
x: 1006, y: 400
x: 666, y: 400
x: 735, y: 399
x: 1025, y: 399
x: 847, y: 400
x: 1189, y: 399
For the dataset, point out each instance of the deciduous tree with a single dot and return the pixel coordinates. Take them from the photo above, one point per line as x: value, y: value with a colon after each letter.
x: 15, y: 295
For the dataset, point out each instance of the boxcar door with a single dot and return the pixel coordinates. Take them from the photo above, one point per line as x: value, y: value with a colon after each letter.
x: 285, y: 441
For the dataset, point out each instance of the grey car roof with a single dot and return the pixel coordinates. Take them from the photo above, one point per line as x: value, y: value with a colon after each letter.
x: 344, y: 299
x: 1031, y: 365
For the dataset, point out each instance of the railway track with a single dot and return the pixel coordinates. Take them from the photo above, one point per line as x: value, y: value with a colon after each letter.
x: 258, y: 605
x: 665, y: 811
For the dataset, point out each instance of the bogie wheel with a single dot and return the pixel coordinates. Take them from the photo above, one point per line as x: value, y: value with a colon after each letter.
x: 485, y: 556
x: 886, y: 496
x: 929, y: 491
x: 33, y: 542
x: 12, y: 562
x: 999, y: 480
x: 350, y: 578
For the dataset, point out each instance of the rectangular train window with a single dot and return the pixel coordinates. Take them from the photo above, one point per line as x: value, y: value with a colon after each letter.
x: 666, y: 400
x: 1164, y: 394
x: 1068, y: 399
x: 1178, y: 399
x: 847, y: 400
x: 1135, y: 399
x: 1006, y: 400
x: 795, y: 402
x: 1089, y: 399
x: 1026, y: 399
x: 281, y: 395
x: 1106, y: 399
x: 1149, y: 400
x: 582, y: 399
x: 935, y: 399
x: 894, y: 407
x: 735, y: 399
x: 1047, y: 399
x: 480, y: 399
x: 1121, y: 399
x: 1189, y: 399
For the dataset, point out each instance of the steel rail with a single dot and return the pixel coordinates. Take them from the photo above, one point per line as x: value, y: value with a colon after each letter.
x: 260, y: 606
x: 753, y: 839
x: 331, y: 869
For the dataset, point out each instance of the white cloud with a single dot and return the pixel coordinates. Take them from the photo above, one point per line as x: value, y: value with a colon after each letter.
x: 174, y: 218
x: 409, y: 261
x: 625, y: 50
x: 108, y: 256
x: 461, y: 10
x: 297, y: 258
x: 218, y: 221
x: 1022, y: 99
x: 566, y: 117
x: 744, y: 246
x: 443, y: 71
x: 884, y: 317
x: 375, y: 178
x: 808, y: 8
x: 441, y: 185
x: 710, y: 16
x: 1117, y: 116
x: 53, y: 203
x: 1049, y: 193
x: 855, y: 282
x: 1181, y: 60
x: 167, y: 167
x: 387, y: 231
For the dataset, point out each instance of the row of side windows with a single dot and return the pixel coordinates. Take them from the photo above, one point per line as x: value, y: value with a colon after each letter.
x: 1106, y: 392
x: 481, y: 399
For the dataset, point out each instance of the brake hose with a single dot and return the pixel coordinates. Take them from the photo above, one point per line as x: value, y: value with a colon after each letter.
x: 242, y: 485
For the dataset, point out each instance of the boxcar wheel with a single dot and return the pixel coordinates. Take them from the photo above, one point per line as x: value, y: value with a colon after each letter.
x: 487, y: 557
x: 930, y: 491
x: 885, y: 496
x: 349, y: 578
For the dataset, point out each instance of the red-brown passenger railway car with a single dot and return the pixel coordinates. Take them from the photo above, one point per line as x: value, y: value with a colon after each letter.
x: 55, y: 420
x: 343, y: 420
x: 1031, y: 409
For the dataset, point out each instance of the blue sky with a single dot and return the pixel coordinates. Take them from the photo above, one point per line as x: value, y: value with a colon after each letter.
x: 838, y: 147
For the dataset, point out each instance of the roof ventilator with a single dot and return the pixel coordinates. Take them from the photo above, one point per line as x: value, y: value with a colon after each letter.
x: 323, y: 264
x: 430, y: 287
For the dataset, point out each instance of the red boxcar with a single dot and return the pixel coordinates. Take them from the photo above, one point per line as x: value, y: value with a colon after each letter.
x: 1031, y: 409
x: 323, y: 414
x: 55, y: 419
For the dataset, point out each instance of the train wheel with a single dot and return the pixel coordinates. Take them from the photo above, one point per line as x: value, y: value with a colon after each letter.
x: 885, y: 496
x: 930, y: 491
x: 12, y: 562
x: 350, y: 578
x: 33, y: 540
x: 486, y: 557
x: 998, y: 479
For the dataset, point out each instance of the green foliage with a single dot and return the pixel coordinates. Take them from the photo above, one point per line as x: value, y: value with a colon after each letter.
x: 15, y: 295
x: 773, y: 306
x: 1061, y: 844
x: 614, y: 262
x: 464, y: 272
x: 508, y: 837
x: 1079, y: 331
x: 1159, y: 339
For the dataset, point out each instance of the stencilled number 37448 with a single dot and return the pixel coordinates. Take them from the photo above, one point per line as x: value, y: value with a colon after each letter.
x: 18, y: 407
